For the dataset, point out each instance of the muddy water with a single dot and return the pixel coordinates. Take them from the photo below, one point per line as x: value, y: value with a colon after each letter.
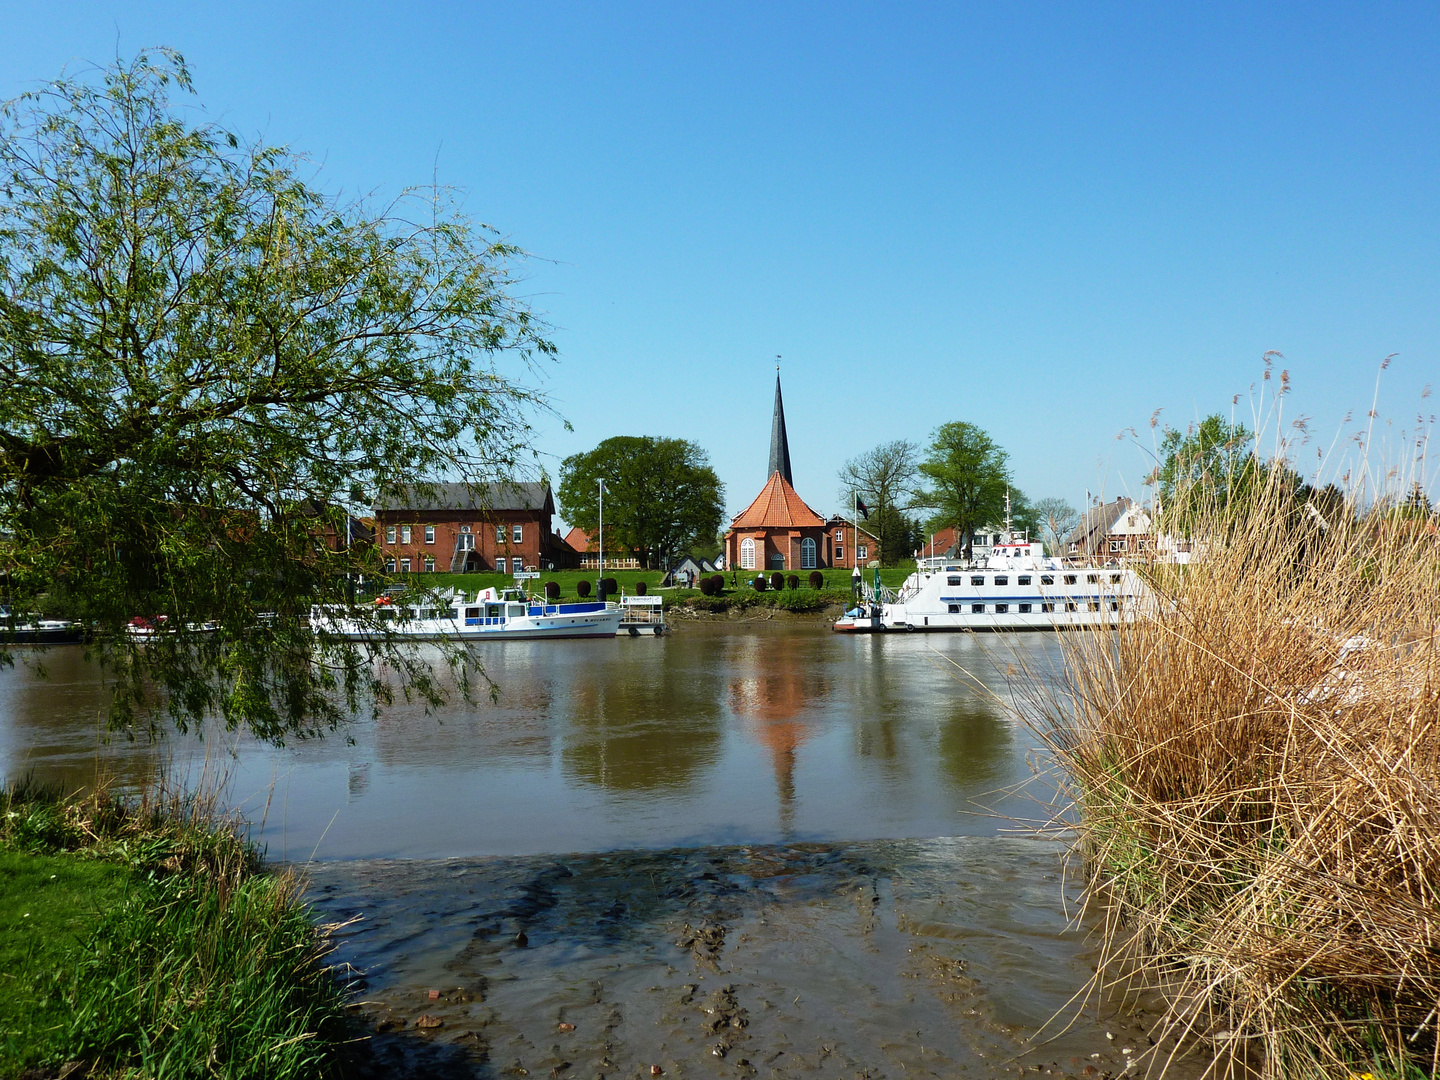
x: 754, y: 849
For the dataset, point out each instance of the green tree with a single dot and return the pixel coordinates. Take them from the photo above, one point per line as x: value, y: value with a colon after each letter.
x: 662, y: 498
x: 884, y: 479
x: 204, y: 360
x: 968, y: 476
x: 1204, y: 468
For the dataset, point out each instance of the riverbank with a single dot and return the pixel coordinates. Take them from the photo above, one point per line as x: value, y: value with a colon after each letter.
x: 148, y: 936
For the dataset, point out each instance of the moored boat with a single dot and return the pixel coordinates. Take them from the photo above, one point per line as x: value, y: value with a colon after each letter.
x: 1014, y: 587
x: 36, y: 630
x: 493, y: 615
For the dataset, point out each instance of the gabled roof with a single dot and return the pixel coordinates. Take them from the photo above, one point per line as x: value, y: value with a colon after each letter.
x: 1095, y: 524
x: 577, y: 539
x: 493, y: 495
x: 777, y: 507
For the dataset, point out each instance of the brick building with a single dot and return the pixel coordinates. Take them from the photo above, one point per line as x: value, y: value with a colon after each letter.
x: 778, y: 531
x: 844, y: 549
x: 464, y: 528
x: 585, y: 553
x: 1111, y: 531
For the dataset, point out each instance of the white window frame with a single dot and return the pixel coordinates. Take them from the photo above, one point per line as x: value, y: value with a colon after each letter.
x: 429, y: 564
x: 390, y: 534
x: 429, y: 534
x: 862, y: 552
x: 807, y: 554
x: 747, y: 554
x: 405, y: 534
x: 390, y: 565
x: 405, y: 566
x: 517, y: 534
x: 499, y: 534
x: 500, y: 564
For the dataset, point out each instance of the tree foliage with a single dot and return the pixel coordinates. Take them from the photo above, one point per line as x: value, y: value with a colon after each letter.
x: 968, y: 475
x: 662, y: 498
x: 1206, y: 467
x: 204, y: 357
x: 885, y: 480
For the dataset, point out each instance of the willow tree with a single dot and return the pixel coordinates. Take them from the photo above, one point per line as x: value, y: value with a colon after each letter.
x: 205, y: 361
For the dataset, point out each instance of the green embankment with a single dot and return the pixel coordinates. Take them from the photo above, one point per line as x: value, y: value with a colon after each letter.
x: 148, y: 939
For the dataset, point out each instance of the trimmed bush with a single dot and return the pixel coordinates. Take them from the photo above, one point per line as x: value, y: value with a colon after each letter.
x: 719, y: 580
x: 777, y: 581
x: 552, y: 590
x: 792, y: 581
x: 611, y: 586
x: 641, y: 588
x: 817, y: 579
x: 582, y: 588
x: 759, y: 583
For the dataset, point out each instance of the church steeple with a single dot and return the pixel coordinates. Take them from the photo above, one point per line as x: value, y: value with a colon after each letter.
x: 779, y: 445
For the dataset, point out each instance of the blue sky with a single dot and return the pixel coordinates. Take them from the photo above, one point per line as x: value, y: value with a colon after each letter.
x: 1049, y: 220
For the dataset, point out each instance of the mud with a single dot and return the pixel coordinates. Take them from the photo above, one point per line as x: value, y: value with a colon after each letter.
x: 881, y: 959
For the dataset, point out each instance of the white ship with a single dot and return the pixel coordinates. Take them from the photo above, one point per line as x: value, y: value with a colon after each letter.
x: 1014, y: 587
x: 492, y: 615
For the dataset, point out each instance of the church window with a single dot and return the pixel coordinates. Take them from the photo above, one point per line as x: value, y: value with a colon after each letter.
x: 807, y: 554
x: 747, y: 554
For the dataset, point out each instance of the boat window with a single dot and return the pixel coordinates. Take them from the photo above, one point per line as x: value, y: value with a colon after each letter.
x: 1002, y: 579
x: 517, y: 610
x: 978, y: 579
x: 385, y: 614
x: 492, y: 611
x: 1114, y: 579
x: 1070, y: 605
x: 954, y: 581
x: 954, y: 609
x: 1114, y: 605
x: 1023, y: 579
x: 1047, y: 579
x: 1094, y: 605
x: 1069, y: 579
x: 1092, y: 578
x: 977, y: 609
x: 1047, y: 607
x: 1024, y: 609
x: 472, y: 612
x: 1001, y: 609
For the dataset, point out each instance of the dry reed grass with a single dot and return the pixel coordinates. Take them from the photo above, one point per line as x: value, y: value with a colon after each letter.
x: 1256, y: 765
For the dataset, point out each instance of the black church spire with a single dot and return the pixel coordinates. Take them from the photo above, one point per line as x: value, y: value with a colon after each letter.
x: 779, y: 445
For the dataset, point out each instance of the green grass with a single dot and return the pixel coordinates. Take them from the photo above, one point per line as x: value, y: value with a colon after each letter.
x: 148, y: 939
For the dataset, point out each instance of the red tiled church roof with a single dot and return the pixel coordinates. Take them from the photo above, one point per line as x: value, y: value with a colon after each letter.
x: 777, y: 507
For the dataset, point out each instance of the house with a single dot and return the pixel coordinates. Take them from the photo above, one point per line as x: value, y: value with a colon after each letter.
x: 847, y: 548
x: 778, y: 531
x: 1111, y: 531
x: 948, y: 543
x: 586, y: 553
x: 496, y: 527
x: 688, y: 571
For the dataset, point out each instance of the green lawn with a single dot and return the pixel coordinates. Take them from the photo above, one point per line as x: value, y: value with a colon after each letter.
x: 627, y: 579
x: 50, y: 908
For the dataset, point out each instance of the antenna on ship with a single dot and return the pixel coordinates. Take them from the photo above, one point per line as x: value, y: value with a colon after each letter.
x: 1007, y: 510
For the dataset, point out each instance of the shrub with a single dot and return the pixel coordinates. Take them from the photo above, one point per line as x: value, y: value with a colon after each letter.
x: 711, y: 586
x: 719, y: 580
x: 552, y: 590
x: 582, y: 588
x: 777, y: 581
x: 641, y: 588
x: 792, y: 581
x: 759, y: 583
x: 610, y: 585
x: 817, y: 579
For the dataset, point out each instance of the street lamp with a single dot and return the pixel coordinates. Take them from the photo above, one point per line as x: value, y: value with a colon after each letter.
x: 600, y: 584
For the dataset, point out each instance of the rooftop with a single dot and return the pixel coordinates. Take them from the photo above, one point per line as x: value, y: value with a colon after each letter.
x: 777, y: 507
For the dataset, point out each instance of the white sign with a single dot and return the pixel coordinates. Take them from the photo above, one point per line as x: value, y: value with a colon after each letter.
x: 526, y: 575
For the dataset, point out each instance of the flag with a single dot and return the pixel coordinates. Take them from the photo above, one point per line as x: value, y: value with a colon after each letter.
x: 864, y: 510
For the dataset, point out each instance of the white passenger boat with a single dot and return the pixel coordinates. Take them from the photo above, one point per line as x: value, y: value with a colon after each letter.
x: 492, y: 615
x: 1014, y: 587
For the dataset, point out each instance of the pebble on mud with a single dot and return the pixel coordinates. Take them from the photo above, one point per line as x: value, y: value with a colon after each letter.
x: 564, y: 1027
x: 656, y: 1070
x: 434, y: 995
x: 429, y: 1023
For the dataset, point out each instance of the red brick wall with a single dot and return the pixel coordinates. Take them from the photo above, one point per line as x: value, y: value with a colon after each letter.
x: 769, y: 542
x: 532, y: 548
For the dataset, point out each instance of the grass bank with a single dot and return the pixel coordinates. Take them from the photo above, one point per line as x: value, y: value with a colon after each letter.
x: 1256, y: 766
x: 147, y: 939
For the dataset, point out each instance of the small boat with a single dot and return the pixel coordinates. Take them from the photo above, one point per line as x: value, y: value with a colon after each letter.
x: 493, y: 615
x: 1015, y: 587
x: 36, y: 630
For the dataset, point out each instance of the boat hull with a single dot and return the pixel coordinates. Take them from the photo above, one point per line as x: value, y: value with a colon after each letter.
x: 599, y: 625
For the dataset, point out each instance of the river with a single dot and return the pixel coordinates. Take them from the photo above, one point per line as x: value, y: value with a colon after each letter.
x: 752, y: 847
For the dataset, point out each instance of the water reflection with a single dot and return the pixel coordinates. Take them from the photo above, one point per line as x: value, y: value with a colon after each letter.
x: 719, y: 733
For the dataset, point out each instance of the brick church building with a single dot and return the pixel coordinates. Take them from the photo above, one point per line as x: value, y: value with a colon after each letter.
x: 778, y: 531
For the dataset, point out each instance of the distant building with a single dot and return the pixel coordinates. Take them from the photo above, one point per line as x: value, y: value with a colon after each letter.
x: 848, y: 548
x: 778, y: 531
x: 498, y: 527
x: 587, y: 553
x: 1111, y: 530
